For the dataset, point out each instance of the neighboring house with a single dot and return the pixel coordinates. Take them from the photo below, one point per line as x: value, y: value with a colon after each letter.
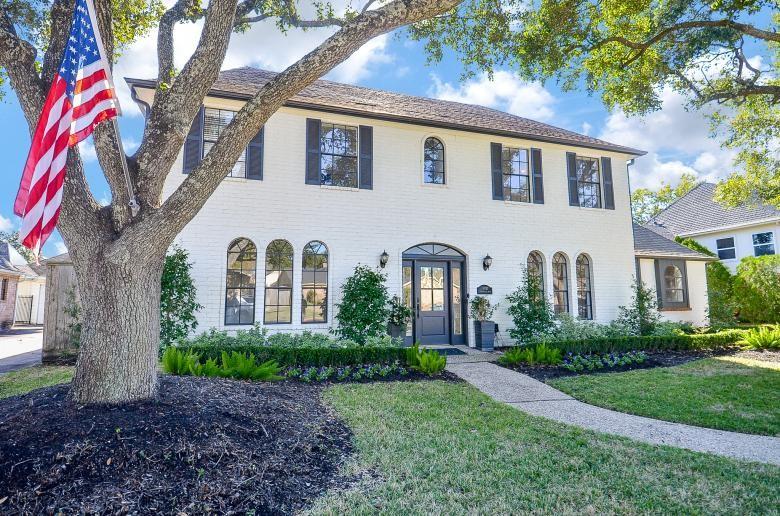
x: 676, y: 273
x: 453, y: 200
x: 22, y: 289
x: 731, y: 233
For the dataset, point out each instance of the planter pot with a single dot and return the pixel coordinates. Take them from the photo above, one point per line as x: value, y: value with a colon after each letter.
x: 484, y: 335
x: 395, y: 330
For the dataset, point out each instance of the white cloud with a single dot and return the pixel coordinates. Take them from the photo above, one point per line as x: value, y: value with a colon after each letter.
x: 60, y: 247
x: 359, y: 66
x: 87, y: 150
x: 586, y: 128
x: 506, y: 92
x: 677, y: 141
x: 6, y: 224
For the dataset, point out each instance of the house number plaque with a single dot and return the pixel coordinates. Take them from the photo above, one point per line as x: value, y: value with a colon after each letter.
x: 483, y: 290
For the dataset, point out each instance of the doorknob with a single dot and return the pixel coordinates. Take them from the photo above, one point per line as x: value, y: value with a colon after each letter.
x: 418, y: 308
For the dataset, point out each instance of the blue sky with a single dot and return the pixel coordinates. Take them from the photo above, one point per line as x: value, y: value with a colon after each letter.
x: 677, y: 141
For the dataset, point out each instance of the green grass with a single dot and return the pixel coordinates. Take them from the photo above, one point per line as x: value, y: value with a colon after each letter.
x: 714, y: 393
x: 26, y: 380
x: 445, y: 448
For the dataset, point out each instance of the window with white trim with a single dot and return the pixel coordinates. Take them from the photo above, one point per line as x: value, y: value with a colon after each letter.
x: 726, y: 248
x: 763, y: 243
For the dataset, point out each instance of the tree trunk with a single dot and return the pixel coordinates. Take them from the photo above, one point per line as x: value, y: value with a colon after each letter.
x: 118, y: 355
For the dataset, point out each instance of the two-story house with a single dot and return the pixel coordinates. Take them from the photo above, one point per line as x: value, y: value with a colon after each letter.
x: 731, y: 233
x: 451, y: 200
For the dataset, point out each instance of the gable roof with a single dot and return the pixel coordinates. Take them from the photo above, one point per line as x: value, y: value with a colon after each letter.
x: 649, y: 244
x: 329, y: 96
x: 697, y: 212
x: 5, y: 260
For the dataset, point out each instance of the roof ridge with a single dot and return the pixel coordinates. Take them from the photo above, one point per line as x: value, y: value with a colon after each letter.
x: 686, y: 194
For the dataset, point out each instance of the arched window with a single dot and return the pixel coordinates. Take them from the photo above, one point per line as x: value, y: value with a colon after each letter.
x: 433, y: 165
x: 560, y: 270
x: 584, y: 288
x: 674, y: 287
x: 240, y: 282
x: 535, y: 269
x: 278, y: 282
x: 314, y: 283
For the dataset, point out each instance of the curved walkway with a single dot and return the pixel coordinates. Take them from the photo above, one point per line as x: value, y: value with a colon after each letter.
x: 539, y: 399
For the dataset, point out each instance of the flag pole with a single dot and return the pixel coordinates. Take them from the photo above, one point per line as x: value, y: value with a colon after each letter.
x: 133, y: 204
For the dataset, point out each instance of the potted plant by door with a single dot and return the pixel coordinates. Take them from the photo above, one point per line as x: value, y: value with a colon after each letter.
x: 484, y: 328
x: 399, y: 317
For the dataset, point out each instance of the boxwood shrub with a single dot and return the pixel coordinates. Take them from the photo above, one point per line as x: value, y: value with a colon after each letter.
x: 649, y: 343
x: 304, y: 356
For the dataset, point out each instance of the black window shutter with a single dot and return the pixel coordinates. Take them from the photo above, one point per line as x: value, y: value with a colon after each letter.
x: 571, y: 168
x: 193, y: 144
x: 254, y: 156
x: 366, y: 152
x: 536, y: 170
x: 496, y: 171
x: 313, y: 127
x: 609, y: 193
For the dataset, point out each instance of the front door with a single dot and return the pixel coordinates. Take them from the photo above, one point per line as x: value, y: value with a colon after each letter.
x: 432, y: 310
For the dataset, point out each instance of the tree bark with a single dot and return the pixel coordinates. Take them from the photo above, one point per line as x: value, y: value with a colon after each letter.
x: 118, y: 355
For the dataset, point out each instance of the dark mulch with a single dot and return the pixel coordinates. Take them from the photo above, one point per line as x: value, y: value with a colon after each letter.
x: 206, y: 445
x: 654, y: 359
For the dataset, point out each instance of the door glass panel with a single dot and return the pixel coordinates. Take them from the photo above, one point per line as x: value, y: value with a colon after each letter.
x: 407, y: 293
x: 438, y: 300
x: 438, y: 277
x: 426, y: 299
x: 425, y: 277
x: 457, y: 319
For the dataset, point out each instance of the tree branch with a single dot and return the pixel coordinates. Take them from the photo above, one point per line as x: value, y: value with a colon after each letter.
x: 172, y: 16
x: 192, y: 194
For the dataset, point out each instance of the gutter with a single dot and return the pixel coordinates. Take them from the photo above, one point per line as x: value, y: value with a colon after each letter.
x: 152, y: 85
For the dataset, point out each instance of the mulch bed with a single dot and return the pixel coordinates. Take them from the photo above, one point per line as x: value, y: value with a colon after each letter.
x: 654, y: 359
x: 205, y: 445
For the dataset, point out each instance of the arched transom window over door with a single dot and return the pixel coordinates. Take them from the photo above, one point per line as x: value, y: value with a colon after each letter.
x: 584, y: 288
x: 278, y: 282
x: 314, y: 283
x: 433, y: 163
x: 560, y: 270
x: 535, y: 270
x: 240, y: 282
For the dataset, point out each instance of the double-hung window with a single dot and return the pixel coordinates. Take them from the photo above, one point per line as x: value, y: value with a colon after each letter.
x: 339, y: 155
x: 726, y: 248
x: 763, y: 243
x: 588, y: 182
x: 517, y: 180
x: 214, y: 122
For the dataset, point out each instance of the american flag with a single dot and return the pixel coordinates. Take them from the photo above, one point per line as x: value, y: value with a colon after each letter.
x: 81, y: 96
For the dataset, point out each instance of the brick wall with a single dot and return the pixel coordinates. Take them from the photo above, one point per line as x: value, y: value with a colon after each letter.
x: 8, y: 305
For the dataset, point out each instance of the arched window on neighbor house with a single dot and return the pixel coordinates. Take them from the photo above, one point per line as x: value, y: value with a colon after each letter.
x: 560, y: 270
x: 314, y: 283
x: 278, y: 282
x: 584, y: 288
x: 433, y: 162
x: 240, y: 282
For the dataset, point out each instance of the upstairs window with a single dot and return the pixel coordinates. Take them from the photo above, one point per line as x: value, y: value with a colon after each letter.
x: 339, y: 155
x: 726, y: 249
x: 763, y: 243
x: 214, y: 122
x: 517, y: 181
x: 278, y: 282
x: 314, y: 283
x: 433, y: 161
x: 560, y: 270
x: 535, y: 269
x: 240, y: 283
x: 588, y: 182
x: 584, y: 288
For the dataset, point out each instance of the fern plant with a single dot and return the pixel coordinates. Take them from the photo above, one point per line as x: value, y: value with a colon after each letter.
x: 765, y: 337
x: 539, y: 354
x: 430, y: 362
x: 177, y: 362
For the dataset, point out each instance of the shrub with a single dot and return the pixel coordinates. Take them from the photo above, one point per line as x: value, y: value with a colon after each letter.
x: 481, y: 309
x: 641, y: 317
x: 178, y: 302
x: 590, y: 362
x: 570, y: 328
x: 363, y: 309
x: 530, y: 311
x: 757, y: 287
x: 178, y: 362
x: 765, y: 337
x: 539, y: 354
x: 669, y: 328
x: 399, y: 313
x: 430, y: 362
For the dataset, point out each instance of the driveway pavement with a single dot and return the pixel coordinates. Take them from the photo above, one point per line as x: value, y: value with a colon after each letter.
x: 20, y: 347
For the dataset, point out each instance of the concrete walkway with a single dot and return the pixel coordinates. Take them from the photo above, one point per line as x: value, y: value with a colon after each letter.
x: 539, y: 399
x: 20, y: 347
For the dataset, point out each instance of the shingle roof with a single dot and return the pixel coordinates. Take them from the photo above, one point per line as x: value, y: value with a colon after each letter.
x: 333, y: 96
x: 5, y: 260
x: 648, y: 243
x: 696, y: 212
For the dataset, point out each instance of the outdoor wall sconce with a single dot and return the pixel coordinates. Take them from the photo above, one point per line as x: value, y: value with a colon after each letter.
x: 487, y: 261
x: 383, y: 259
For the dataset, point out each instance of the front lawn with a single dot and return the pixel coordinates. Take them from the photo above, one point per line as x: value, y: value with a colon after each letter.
x: 724, y: 393
x: 445, y: 448
x: 26, y: 380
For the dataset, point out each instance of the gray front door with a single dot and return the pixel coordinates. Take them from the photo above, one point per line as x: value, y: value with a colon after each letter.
x: 432, y: 310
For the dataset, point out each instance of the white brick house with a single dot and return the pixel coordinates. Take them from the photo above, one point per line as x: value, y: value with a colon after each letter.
x: 283, y: 194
